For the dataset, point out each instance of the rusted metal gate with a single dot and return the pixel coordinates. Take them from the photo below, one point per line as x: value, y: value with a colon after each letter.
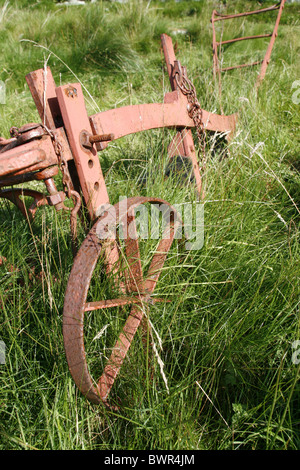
x: 218, y: 44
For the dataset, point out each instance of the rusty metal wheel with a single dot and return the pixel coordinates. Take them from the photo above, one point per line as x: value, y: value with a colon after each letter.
x: 136, y: 290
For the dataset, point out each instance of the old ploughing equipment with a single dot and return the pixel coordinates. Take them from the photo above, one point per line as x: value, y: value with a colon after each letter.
x: 67, y: 140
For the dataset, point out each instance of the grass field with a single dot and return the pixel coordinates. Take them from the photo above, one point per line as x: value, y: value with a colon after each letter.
x: 230, y: 336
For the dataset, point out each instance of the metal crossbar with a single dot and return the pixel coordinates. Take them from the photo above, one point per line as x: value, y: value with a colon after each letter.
x: 216, y: 16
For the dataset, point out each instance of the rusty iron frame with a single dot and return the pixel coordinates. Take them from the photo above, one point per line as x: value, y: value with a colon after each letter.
x: 62, y: 110
x: 265, y: 61
x: 69, y: 140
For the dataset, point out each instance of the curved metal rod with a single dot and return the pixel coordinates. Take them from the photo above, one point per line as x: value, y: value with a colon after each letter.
x: 14, y: 195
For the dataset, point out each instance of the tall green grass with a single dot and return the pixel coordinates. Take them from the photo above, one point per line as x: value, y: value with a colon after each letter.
x: 228, y: 334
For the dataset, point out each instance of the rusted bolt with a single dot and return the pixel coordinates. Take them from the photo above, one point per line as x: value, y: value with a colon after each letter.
x: 57, y: 200
x: 71, y: 91
x: 101, y: 138
x: 55, y: 197
x: 87, y: 140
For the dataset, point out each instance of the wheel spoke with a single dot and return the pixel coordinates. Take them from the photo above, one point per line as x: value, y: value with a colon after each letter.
x: 119, y: 352
x: 160, y: 255
x: 132, y: 249
x: 101, y: 304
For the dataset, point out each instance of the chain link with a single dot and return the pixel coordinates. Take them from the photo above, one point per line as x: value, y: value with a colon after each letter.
x: 194, y: 110
x: 67, y: 184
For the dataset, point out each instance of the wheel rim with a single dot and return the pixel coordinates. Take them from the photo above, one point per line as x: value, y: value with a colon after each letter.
x: 138, y: 287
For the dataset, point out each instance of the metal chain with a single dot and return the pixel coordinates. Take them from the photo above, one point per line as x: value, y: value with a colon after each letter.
x: 194, y: 110
x: 67, y: 183
x: 63, y: 165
